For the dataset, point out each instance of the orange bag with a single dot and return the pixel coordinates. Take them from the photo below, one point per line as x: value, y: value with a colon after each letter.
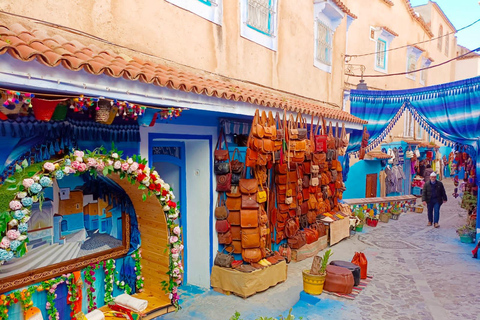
x: 360, y: 260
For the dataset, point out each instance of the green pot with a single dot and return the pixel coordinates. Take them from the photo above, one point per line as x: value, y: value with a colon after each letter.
x: 466, y: 239
x: 359, y: 228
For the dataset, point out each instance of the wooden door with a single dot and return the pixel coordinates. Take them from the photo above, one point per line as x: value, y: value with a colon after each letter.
x: 371, y: 188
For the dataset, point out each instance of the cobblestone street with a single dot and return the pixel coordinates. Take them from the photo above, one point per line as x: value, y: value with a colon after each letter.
x: 419, y: 272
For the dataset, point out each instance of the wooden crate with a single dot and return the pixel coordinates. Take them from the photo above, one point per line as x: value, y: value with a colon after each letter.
x: 310, y: 250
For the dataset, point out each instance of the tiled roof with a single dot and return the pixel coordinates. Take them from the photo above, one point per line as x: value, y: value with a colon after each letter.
x: 30, y: 44
x: 418, y: 18
x: 390, y: 3
x: 417, y: 47
x: 378, y: 155
x: 344, y: 8
x: 389, y: 31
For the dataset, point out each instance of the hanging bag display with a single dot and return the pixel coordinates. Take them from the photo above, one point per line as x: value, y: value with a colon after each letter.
x: 234, y: 200
x: 257, y: 129
x: 270, y: 129
x: 251, y: 255
x: 320, y: 138
x: 250, y: 238
x: 221, y: 211
x: 330, y: 138
x: 219, y: 153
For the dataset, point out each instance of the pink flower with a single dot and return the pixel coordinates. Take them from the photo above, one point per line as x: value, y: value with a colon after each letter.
x: 5, y: 243
x: 79, y: 153
x: 27, y: 183
x: 174, y: 290
x: 49, y: 166
x: 177, y: 230
x: 125, y: 166
x: 82, y: 167
x: 15, y: 205
x: 117, y: 165
x: 91, y: 162
x: 174, y: 250
x: 100, y: 165
x: 75, y: 165
x: 173, y: 239
x: 13, y: 234
x: 79, y: 159
x: 178, y: 281
x: 134, y: 166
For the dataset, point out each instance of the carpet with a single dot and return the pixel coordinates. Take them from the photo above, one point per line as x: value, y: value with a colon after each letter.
x: 355, y: 291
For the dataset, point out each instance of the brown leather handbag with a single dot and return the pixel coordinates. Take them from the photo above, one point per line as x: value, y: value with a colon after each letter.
x: 291, y: 227
x: 251, y: 158
x: 223, y: 259
x: 249, y: 201
x: 270, y: 127
x: 250, y: 238
x: 312, y: 202
x: 234, y: 201
x: 281, y: 179
x: 236, y: 165
x: 225, y: 238
x: 249, y: 218
x: 219, y: 154
x: 222, y: 226
x: 319, y: 158
x: 262, y: 159
x: 234, y: 218
x: 236, y: 230
x: 330, y: 138
x: 257, y: 129
x: 224, y: 182
x: 296, y: 128
x: 311, y: 216
x: 281, y: 168
x: 221, y: 211
x: 251, y: 255
x: 281, y: 189
x: 248, y: 186
x: 297, y: 241
x: 311, y: 235
x: 320, y: 138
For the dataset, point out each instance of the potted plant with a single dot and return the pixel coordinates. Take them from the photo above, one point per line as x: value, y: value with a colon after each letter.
x: 395, y: 213
x: 467, y: 232
x: 361, y: 220
x: 314, y: 278
x: 469, y: 202
x: 371, y: 219
x: 384, y: 217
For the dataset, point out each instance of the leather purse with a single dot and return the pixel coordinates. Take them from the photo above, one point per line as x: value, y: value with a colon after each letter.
x: 315, y: 169
x: 291, y: 227
x: 250, y: 238
x: 251, y: 255
x: 225, y: 238
x: 297, y: 241
x: 249, y: 218
x: 311, y: 216
x: 236, y: 178
x: 221, y: 211
x: 281, y: 189
x: 255, y: 144
x: 270, y: 128
x: 281, y: 179
x: 319, y: 158
x: 249, y: 201
x: 224, y: 182
x: 330, y: 138
x: 343, y: 137
x: 248, y: 186
x: 303, y: 220
x: 296, y: 129
x: 219, y: 154
x: 251, y: 158
x: 262, y: 159
x: 222, y: 226
x: 312, y: 202
x: 236, y: 232
x: 236, y: 165
x: 221, y: 167
x: 257, y: 129
x: 314, y: 181
x: 268, y: 146
x: 223, y: 259
x: 234, y: 218
x: 320, y: 138
x: 281, y: 168
x: 234, y: 201
x: 311, y: 235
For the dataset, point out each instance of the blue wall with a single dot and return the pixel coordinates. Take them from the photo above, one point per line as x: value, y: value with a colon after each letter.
x: 74, y: 222
x: 357, y: 178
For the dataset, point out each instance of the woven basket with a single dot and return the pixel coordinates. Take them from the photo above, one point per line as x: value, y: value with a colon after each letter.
x: 384, y: 217
x: 419, y: 209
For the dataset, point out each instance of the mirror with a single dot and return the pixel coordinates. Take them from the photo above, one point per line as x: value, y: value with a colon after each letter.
x: 81, y: 221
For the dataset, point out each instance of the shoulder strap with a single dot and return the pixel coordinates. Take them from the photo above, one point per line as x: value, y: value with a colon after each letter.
x: 219, y: 140
x: 324, y: 126
x: 263, y: 118
x: 270, y: 119
x: 278, y: 121
x: 337, y: 133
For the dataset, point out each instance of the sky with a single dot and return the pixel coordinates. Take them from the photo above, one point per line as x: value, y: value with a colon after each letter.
x: 461, y: 13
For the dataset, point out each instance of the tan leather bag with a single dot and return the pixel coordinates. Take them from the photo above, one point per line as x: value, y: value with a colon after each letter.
x: 249, y: 218
x: 234, y: 201
x: 248, y: 186
x: 257, y: 129
x: 250, y: 238
x: 249, y: 201
x: 236, y: 232
x: 234, y: 218
x: 270, y: 127
x: 251, y: 255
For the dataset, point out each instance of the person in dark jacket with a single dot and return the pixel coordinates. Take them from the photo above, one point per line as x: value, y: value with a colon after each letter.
x: 433, y: 196
x: 428, y: 171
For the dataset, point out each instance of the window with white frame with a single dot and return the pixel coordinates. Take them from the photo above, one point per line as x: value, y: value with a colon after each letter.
x: 423, y: 74
x: 381, y: 54
x: 413, y: 54
x: 324, y: 43
x: 408, y: 127
x: 447, y: 44
x: 259, y: 22
x: 207, y: 9
x: 382, y: 39
x: 327, y: 17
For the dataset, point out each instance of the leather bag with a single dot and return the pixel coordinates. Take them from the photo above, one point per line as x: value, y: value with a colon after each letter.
x: 360, y: 260
x: 355, y: 269
x: 222, y: 226
x: 224, y: 182
x: 249, y: 201
x: 223, y: 259
x: 291, y: 227
x: 249, y: 218
x: 296, y: 129
x: 234, y: 218
x: 221, y: 154
x: 330, y: 138
x: 281, y: 168
x: 312, y: 202
x: 311, y: 235
x: 251, y: 255
x: 257, y: 129
x: 311, y: 216
x: 234, y: 201
x: 248, y: 186
x: 281, y: 179
x: 221, y: 211
x: 297, y: 241
x: 225, y: 238
x: 221, y: 168
x: 251, y: 158
x: 250, y: 238
x: 270, y: 127
x: 339, y: 280
x: 320, y: 138
x: 236, y: 165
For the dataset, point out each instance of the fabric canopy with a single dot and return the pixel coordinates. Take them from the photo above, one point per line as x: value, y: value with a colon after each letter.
x: 450, y: 112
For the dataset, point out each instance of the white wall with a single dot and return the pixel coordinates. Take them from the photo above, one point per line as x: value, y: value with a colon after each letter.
x: 199, y: 204
x: 467, y: 68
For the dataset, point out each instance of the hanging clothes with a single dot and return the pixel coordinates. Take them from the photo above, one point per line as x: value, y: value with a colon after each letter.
x: 383, y: 178
x: 390, y: 180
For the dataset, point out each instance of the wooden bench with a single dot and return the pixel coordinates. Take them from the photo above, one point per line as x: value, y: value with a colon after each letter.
x: 383, y: 204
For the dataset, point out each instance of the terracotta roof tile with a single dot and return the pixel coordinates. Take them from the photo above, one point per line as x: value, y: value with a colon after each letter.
x: 418, y: 18
x: 389, y: 31
x: 344, y: 8
x: 49, y: 50
x: 390, y: 3
x: 378, y: 155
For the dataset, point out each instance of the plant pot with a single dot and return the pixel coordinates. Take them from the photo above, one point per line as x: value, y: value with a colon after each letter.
x: 372, y: 222
x: 466, y: 238
x: 384, y: 217
x: 312, y: 283
x: 359, y: 228
x: 395, y: 216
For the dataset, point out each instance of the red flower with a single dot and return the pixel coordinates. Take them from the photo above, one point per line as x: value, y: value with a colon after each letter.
x: 152, y: 176
x: 164, y: 192
x: 141, y: 176
x: 141, y: 167
x: 158, y: 187
x: 171, y: 204
x: 151, y: 186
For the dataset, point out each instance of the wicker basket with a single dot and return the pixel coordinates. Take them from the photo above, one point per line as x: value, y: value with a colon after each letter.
x: 419, y: 209
x: 395, y: 216
x: 384, y: 217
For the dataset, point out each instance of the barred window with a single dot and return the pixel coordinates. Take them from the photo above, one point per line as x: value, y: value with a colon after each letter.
x: 324, y: 43
x: 260, y: 16
x: 381, y: 55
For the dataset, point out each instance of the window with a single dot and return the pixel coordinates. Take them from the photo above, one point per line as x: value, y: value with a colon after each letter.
x: 258, y: 22
x: 381, y: 54
x: 447, y: 44
x: 440, y: 38
x: 324, y: 43
x: 408, y: 125
x: 419, y: 132
x: 64, y: 225
x: 207, y: 9
x: 327, y: 18
x: 413, y: 54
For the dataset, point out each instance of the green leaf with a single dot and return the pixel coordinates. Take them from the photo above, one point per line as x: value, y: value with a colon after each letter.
x: 31, y: 174
x: 105, y: 171
x: 35, y: 198
x: 134, y: 158
x: 25, y: 163
x: 18, y: 168
x: 12, y: 187
x: 10, y: 180
x: 21, y: 188
x: 132, y: 181
x: 122, y: 175
x: 142, y: 187
x: 144, y: 197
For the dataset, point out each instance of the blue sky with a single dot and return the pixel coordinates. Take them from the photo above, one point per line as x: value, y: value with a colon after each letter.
x: 461, y: 13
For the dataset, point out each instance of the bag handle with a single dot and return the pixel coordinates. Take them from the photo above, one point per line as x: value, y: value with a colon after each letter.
x: 263, y: 119
x: 271, y: 120
x: 278, y: 121
x: 238, y: 153
x: 225, y: 247
x: 221, y: 199
x: 219, y: 140
x: 337, y: 135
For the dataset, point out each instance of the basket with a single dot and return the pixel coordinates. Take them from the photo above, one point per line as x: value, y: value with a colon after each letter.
x: 60, y: 112
x: 395, y: 216
x: 384, y: 217
x: 419, y: 209
x: 372, y: 222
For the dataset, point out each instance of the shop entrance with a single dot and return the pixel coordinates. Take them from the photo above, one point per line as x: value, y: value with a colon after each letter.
x: 371, y: 187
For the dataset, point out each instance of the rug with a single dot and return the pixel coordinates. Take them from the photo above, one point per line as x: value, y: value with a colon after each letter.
x: 355, y: 291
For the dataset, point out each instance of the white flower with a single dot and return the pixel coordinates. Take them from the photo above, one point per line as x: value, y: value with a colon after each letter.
x: 25, y: 219
x: 166, y: 186
x: 147, y: 171
x: 158, y: 181
x: 36, y: 178
x: 117, y: 165
x: 22, y: 237
x: 130, y: 160
x: 79, y: 159
x: 109, y: 162
x: 146, y: 180
x: 172, y: 196
x: 166, y: 208
x: 115, y: 155
x: 21, y: 195
x: 175, y: 256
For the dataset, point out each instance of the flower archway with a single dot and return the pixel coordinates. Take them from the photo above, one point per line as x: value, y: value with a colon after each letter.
x: 14, y: 233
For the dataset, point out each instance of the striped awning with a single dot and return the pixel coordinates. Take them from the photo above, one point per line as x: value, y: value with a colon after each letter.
x: 235, y: 126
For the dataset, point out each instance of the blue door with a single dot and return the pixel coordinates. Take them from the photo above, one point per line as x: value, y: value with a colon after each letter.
x: 168, y: 158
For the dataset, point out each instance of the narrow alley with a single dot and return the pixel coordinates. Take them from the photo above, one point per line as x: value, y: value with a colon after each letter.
x: 419, y: 272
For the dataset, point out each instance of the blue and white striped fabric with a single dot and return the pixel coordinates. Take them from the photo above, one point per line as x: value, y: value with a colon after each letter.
x: 235, y: 126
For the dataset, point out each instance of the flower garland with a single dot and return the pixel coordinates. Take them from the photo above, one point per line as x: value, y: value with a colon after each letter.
x: 14, y: 239
x: 89, y: 274
x: 140, y: 281
x: 109, y: 267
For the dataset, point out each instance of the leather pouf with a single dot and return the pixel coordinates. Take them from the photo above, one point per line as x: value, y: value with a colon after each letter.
x: 339, y: 280
x: 350, y: 266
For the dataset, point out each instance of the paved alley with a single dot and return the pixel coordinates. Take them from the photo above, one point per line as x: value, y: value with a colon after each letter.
x: 419, y: 272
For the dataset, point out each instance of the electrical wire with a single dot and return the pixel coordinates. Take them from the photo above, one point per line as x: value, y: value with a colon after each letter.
x: 417, y: 70
x: 409, y: 45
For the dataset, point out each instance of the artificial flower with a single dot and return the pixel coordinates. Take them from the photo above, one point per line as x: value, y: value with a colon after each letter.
x: 79, y: 153
x: 59, y: 175
x: 15, y: 244
x: 173, y: 239
x: 13, y: 223
x: 68, y: 162
x: 36, y: 178
x: 19, y: 214
x: 25, y: 219
x: 15, y: 205
x: 115, y: 155
x: 36, y: 188
x: 23, y: 227
x: 5, y: 255
x: 21, y: 195
x: 125, y: 166
x: 13, y: 234
x: 75, y: 165
x: 129, y: 160
x: 49, y: 166
x: 27, y: 201
x: 100, y: 165
x: 27, y: 183
x: 117, y: 165
x: 45, y: 181
x: 134, y: 166
x: 82, y: 167
x: 92, y: 162
x: 175, y: 256
x: 5, y: 243
x: 176, y: 230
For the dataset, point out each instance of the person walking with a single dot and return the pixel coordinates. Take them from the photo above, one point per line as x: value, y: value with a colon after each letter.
x: 428, y: 171
x: 433, y: 196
